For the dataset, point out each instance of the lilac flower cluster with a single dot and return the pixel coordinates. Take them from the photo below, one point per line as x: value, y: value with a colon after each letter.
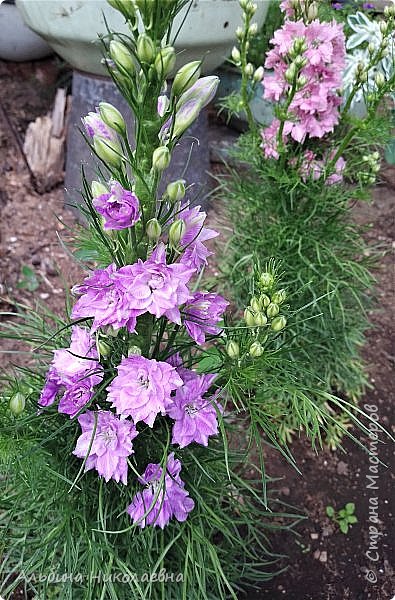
x: 311, y: 57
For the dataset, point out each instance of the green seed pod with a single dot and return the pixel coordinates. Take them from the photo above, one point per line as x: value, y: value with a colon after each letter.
x: 122, y: 57
x: 112, y: 117
x: 98, y: 189
x: 233, y: 350
x: 186, y: 77
x: 161, y: 158
x: 265, y: 300
x: 256, y: 304
x: 279, y: 296
x: 165, y: 61
x: 17, y: 403
x: 249, y: 317
x: 266, y: 280
x: 260, y: 319
x: 108, y: 151
x: 278, y: 323
x: 153, y: 230
x: 145, y: 48
x: 272, y: 310
x: 256, y: 350
x: 176, y: 190
x: 176, y: 231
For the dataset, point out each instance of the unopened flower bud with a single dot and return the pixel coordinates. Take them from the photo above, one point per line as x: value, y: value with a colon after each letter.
x: 239, y: 32
x: 108, y: 151
x: 260, y: 319
x: 375, y: 155
x: 256, y: 350
x: 249, y: 317
x: 233, y: 350
x: 185, y: 77
x: 250, y: 9
x: 383, y: 27
x: 161, y: 158
x: 153, y: 230
x: 176, y: 232
x: 253, y: 29
x: 389, y: 10
x: 249, y: 70
x: 122, y: 56
x: 371, y: 48
x: 266, y: 280
x: 258, y: 74
x: 256, y: 304
x: 300, y: 61
x: 279, y: 296
x: 112, y: 117
x: 265, y: 300
x: 165, y: 61
x: 272, y: 310
x: 98, y: 189
x: 126, y: 8
x: 145, y: 48
x: 176, y: 190
x: 201, y: 92
x: 312, y: 12
x: 134, y: 351
x: 291, y: 72
x: 301, y: 81
x: 379, y: 79
x: 278, y: 323
x: 17, y: 403
x: 103, y: 348
x: 236, y: 55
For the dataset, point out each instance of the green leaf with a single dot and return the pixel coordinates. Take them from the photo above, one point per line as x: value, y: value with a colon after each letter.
x: 342, y: 513
x: 330, y: 511
x: 343, y: 526
x: 389, y: 153
x: 352, y: 519
x: 211, y: 361
x: 350, y: 508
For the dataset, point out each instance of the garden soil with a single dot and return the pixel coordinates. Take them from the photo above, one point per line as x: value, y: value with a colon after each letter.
x: 323, y: 563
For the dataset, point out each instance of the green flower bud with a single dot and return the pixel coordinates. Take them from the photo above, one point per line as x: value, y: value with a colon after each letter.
x: 279, y: 296
x: 249, y: 317
x: 176, y: 190
x: 312, y: 12
x: 112, y: 117
x: 253, y: 29
x: 126, y: 8
x: 249, y: 70
x: 98, y: 189
x: 176, y: 231
x: 153, y: 230
x: 103, y: 348
x: 383, y: 27
x: 161, y: 158
x: 165, y: 61
x: 233, y: 350
x: 291, y: 72
x: 266, y: 280
x: 256, y: 350
x: 260, y: 319
x: 122, y: 57
x: 272, y: 310
x: 379, y: 79
x: 145, y: 48
x: 371, y: 48
x: 108, y: 150
x: 17, y: 403
x: 258, y: 74
x: 239, y: 32
x: 236, y: 55
x: 256, y: 304
x: 185, y: 77
x: 278, y: 323
x: 134, y: 351
x: 300, y: 62
x: 265, y: 300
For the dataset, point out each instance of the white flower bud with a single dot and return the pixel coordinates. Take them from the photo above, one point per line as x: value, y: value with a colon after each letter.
x: 145, y: 48
x: 176, y: 190
x: 256, y: 350
x: 312, y: 12
x: 260, y: 319
x: 161, y: 158
x: 249, y: 317
x: 272, y: 310
x: 239, y: 32
x: 176, y: 232
x: 153, y: 230
x: 249, y: 70
x: 235, y: 55
x: 278, y: 323
x: 259, y: 74
x: 253, y: 29
x: 379, y: 79
x: 17, y: 403
x: 233, y: 350
x: 122, y: 56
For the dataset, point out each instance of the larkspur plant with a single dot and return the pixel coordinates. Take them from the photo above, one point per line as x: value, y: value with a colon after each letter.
x: 114, y: 454
x: 330, y: 84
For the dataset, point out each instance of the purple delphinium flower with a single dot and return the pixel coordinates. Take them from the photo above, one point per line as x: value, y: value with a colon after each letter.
x: 195, y: 416
x: 142, y: 388
x: 74, y: 371
x: 163, y: 498
x: 94, y: 125
x: 105, y: 301
x: 107, y: 441
x: 195, y: 252
x: 119, y: 207
x: 202, y: 313
x: 156, y: 287
x: 368, y: 6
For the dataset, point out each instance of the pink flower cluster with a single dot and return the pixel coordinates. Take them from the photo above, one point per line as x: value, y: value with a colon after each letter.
x: 314, y: 167
x: 313, y: 110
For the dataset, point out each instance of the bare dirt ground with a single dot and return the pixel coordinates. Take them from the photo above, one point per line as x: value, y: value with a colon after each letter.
x: 323, y: 563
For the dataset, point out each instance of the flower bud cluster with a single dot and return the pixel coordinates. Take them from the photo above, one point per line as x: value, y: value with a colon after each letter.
x: 371, y: 166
